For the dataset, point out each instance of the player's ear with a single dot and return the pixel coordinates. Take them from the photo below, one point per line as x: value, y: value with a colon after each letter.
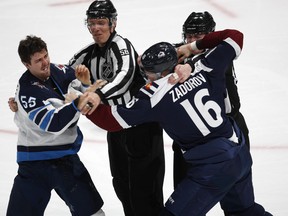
x: 139, y: 60
x: 113, y: 26
x: 26, y: 64
x: 114, y: 23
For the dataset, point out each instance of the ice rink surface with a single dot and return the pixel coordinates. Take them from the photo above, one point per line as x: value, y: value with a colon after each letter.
x: 261, y: 70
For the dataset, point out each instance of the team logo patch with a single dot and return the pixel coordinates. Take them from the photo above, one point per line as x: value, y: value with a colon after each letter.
x: 61, y: 67
x: 39, y: 85
x: 148, y: 86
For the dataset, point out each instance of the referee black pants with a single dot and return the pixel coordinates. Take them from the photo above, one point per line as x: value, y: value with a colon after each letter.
x: 137, y: 166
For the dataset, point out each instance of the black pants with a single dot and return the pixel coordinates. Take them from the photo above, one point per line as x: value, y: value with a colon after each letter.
x: 137, y: 166
x: 179, y: 164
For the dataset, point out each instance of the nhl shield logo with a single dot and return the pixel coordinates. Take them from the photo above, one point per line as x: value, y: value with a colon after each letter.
x: 107, y: 72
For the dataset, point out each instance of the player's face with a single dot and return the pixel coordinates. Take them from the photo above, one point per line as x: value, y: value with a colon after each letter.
x: 100, y: 30
x: 193, y: 37
x: 39, y: 65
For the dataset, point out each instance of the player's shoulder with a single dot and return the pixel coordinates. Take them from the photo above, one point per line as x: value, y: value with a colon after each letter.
x: 64, y: 68
x: 160, y: 86
x: 149, y: 89
x: 26, y: 78
x: 31, y: 86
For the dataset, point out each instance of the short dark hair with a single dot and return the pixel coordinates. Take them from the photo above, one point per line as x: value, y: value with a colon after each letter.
x: 29, y: 46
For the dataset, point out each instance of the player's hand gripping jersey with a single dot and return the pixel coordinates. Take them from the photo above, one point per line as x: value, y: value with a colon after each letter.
x: 41, y: 109
x: 192, y: 112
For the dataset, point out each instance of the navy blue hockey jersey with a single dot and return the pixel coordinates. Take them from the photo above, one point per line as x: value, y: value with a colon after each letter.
x: 192, y: 112
x: 47, y: 127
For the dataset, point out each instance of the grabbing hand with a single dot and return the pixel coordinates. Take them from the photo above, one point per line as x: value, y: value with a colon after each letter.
x: 88, y: 102
x: 82, y: 73
x: 181, y: 73
x: 96, y: 85
x: 187, y: 50
x: 12, y: 104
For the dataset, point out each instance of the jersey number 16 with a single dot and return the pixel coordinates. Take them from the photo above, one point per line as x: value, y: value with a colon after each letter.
x: 203, y: 109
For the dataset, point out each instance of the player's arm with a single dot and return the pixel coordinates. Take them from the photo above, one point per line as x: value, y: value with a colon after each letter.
x: 117, y: 117
x: 210, y: 40
x: 48, y: 113
x: 99, y: 114
x: 103, y: 118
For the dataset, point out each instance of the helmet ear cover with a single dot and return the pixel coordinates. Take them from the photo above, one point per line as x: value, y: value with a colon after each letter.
x: 159, y: 57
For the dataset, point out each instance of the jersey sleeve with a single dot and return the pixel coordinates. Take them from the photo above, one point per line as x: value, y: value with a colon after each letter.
x: 233, y: 37
x: 103, y: 118
x: 227, y: 47
x: 117, y: 117
x: 141, y: 109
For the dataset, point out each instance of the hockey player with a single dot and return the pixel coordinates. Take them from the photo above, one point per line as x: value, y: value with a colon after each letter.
x: 195, y: 27
x: 136, y: 155
x: 193, y: 114
x: 48, y: 139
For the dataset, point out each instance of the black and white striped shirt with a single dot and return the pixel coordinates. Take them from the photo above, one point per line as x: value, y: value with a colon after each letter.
x: 116, y: 62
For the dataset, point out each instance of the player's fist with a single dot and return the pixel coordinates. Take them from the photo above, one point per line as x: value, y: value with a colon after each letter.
x: 12, y: 104
x: 82, y: 73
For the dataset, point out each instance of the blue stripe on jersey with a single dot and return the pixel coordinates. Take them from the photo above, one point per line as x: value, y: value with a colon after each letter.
x: 33, y: 113
x: 47, y: 155
x: 51, y: 154
x: 47, y: 119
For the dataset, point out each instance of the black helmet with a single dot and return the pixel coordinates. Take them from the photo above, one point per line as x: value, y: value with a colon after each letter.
x: 199, y: 23
x: 102, y: 8
x: 159, y: 57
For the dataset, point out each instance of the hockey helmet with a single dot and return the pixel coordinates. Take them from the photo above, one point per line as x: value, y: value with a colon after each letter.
x: 199, y: 23
x: 102, y: 8
x: 159, y: 57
